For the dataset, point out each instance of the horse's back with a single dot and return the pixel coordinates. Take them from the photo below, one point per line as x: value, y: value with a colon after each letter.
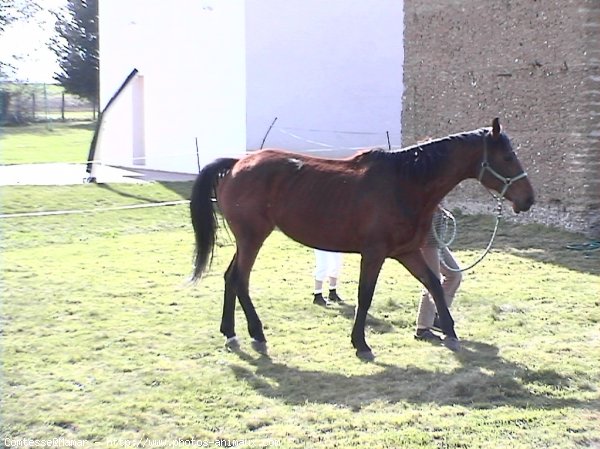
x: 319, y: 202
x: 278, y: 170
x: 272, y: 161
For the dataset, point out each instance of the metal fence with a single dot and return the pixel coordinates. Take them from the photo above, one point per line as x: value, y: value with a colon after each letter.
x: 24, y: 103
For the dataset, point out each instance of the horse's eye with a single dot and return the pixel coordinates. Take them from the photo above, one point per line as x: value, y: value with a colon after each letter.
x: 509, y: 157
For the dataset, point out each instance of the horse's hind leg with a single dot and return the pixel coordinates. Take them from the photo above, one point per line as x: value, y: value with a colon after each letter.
x: 247, y: 250
x: 228, y: 318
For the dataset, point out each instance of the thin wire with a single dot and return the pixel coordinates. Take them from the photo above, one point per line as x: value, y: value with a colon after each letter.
x: 330, y: 131
x: 92, y: 211
x: 321, y: 144
x: 330, y: 148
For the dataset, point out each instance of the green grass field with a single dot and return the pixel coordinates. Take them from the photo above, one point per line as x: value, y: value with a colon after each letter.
x: 46, y: 142
x: 103, y: 339
x: 104, y: 342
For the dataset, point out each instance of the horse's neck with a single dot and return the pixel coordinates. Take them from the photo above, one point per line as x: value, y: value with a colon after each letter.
x: 463, y: 159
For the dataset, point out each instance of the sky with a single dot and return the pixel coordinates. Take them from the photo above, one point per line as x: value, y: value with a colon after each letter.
x: 24, y: 44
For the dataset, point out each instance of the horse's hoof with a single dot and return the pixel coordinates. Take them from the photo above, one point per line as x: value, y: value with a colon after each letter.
x: 260, y: 346
x: 365, y: 356
x: 232, y: 344
x: 452, y: 343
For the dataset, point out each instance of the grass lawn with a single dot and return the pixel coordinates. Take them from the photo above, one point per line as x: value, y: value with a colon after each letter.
x: 46, y: 142
x: 104, y: 341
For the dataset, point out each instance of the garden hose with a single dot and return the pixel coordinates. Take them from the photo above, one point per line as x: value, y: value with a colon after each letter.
x: 592, y: 245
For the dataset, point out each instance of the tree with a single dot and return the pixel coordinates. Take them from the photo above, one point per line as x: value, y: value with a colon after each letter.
x: 13, y: 11
x: 76, y: 47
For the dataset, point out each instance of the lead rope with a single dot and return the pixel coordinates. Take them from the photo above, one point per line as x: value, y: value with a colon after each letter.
x: 449, y: 218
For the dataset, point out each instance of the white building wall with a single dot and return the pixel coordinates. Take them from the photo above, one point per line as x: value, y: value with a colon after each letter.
x: 221, y: 70
x: 192, y: 60
x: 331, y: 66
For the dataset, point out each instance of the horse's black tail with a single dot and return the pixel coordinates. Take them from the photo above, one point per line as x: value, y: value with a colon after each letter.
x: 204, y: 219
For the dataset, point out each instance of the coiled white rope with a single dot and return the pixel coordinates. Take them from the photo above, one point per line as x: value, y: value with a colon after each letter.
x: 444, y: 244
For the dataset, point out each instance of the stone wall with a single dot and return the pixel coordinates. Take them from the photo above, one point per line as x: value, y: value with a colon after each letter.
x: 533, y: 63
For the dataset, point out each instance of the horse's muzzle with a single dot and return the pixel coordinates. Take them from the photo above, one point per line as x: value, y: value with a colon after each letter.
x: 523, y: 206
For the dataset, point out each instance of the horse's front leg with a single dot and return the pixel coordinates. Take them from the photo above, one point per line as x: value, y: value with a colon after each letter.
x: 415, y: 263
x: 370, y: 266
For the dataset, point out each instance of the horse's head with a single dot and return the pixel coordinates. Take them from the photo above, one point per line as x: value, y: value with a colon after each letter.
x: 501, y: 170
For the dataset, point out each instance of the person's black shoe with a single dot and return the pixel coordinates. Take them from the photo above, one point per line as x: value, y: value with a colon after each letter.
x: 320, y: 301
x: 427, y: 335
x: 334, y: 297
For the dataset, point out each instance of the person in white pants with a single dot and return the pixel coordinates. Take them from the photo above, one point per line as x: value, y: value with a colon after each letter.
x: 328, y: 265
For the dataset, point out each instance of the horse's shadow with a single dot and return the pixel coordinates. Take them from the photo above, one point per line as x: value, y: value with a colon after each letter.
x: 182, y: 189
x: 375, y: 324
x: 483, y: 380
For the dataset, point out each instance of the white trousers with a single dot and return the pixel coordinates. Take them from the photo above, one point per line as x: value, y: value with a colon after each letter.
x: 328, y: 264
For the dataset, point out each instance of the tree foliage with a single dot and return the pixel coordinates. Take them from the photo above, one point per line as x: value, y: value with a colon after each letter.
x: 13, y: 11
x: 76, y: 46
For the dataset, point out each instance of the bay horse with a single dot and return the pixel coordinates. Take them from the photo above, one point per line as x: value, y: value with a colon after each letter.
x: 377, y: 203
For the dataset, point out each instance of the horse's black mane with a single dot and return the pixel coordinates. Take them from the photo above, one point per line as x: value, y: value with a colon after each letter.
x: 423, y: 161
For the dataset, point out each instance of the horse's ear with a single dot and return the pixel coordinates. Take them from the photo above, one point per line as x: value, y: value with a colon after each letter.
x: 496, y: 128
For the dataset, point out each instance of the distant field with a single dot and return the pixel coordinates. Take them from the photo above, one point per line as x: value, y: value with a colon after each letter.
x: 42, y: 102
x: 46, y: 142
